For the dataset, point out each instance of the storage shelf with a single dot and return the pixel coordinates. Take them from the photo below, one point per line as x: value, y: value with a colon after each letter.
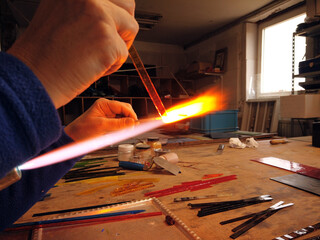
x: 199, y: 75
x: 312, y: 33
x: 308, y: 74
x: 121, y: 85
x: 309, y: 32
x: 315, y: 84
x: 115, y: 98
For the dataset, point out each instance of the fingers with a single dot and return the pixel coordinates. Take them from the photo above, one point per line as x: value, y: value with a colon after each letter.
x: 128, y: 5
x: 113, y: 108
x: 97, y: 33
x: 113, y: 124
x: 125, y: 30
x: 119, y: 53
x: 123, y: 16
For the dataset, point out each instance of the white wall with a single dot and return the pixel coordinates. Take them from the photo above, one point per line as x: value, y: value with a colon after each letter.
x: 172, y: 58
x: 205, y: 51
x: 169, y: 58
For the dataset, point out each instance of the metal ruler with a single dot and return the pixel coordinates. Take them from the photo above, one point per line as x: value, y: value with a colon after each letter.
x: 299, y: 233
x: 145, y: 78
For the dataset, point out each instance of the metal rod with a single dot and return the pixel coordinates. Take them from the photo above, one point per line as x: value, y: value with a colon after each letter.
x: 76, y: 209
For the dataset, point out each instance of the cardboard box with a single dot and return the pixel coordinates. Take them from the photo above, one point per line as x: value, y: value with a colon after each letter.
x: 199, y: 67
x: 300, y: 106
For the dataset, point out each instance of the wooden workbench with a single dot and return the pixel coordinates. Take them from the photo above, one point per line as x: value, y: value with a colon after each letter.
x: 253, y: 179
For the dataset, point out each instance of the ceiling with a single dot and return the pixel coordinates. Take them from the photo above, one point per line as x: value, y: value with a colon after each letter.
x: 183, y: 22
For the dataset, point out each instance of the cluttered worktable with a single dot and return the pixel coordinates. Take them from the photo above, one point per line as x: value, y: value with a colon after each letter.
x: 163, y: 218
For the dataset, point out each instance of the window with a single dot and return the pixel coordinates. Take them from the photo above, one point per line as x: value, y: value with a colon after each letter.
x: 275, y: 65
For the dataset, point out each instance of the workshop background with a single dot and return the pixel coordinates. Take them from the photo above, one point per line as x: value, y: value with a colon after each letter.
x: 263, y: 58
x: 190, y: 46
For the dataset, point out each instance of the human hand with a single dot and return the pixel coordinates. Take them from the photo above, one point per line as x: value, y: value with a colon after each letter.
x: 100, y: 118
x: 69, y: 44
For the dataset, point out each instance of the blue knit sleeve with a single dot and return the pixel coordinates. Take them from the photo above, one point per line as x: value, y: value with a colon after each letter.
x: 28, y: 119
x: 29, y: 126
x: 18, y: 198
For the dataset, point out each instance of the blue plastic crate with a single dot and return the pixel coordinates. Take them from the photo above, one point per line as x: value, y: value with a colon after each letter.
x: 220, y: 121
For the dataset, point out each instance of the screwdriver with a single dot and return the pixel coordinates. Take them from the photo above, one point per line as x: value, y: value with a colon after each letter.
x: 278, y: 141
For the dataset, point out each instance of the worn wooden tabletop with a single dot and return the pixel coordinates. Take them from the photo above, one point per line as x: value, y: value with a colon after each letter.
x: 253, y: 179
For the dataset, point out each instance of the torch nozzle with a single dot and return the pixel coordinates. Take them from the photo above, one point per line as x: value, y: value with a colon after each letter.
x: 13, y: 176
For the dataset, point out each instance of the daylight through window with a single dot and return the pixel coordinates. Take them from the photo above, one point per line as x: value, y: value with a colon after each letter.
x: 276, y: 57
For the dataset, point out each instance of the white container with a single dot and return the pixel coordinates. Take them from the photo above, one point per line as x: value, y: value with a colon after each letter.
x: 171, y: 157
x: 125, y: 152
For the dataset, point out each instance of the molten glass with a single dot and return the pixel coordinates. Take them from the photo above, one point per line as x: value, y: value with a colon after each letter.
x: 208, y: 102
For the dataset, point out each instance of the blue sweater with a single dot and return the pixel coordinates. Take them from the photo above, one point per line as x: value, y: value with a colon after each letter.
x: 29, y: 126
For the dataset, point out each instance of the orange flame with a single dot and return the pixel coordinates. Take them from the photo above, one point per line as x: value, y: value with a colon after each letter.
x: 205, y: 103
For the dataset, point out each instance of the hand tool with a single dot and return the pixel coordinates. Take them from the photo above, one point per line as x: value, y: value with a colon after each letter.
x: 220, y: 149
x: 230, y: 203
x: 278, y: 141
x: 254, y: 219
x: 217, y: 207
x: 183, y: 199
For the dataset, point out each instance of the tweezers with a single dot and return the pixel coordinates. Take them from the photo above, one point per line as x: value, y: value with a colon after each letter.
x: 228, y: 203
x: 255, y: 219
x: 217, y: 207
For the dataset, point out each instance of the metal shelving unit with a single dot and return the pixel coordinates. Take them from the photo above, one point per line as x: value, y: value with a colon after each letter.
x: 311, y: 32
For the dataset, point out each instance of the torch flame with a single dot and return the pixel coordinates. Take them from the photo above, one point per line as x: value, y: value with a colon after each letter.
x: 208, y: 102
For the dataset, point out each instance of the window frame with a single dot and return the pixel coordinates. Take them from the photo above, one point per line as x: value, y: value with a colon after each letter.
x: 261, y: 26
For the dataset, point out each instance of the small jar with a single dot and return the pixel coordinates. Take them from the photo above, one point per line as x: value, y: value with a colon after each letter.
x: 143, y: 155
x: 155, y: 144
x: 125, y: 152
